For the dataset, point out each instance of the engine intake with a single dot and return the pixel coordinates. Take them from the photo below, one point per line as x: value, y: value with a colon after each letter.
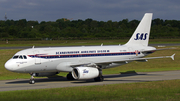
x: 85, y: 73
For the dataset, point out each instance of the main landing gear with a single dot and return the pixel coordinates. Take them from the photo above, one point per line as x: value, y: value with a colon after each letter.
x: 69, y: 76
x: 100, y: 78
x: 31, y: 81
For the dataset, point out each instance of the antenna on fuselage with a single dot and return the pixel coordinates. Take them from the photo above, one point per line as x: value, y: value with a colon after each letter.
x: 32, y: 46
x: 102, y: 44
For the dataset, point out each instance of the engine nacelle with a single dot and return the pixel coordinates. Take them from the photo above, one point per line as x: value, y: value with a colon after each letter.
x: 85, y: 73
x: 45, y: 74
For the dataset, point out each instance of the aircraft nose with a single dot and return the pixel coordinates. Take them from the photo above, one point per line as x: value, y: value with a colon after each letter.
x: 9, y: 65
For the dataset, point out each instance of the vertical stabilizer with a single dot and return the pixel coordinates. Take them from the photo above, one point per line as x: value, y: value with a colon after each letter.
x: 142, y: 32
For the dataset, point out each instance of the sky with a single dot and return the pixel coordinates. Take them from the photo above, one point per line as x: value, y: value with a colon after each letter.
x: 100, y: 10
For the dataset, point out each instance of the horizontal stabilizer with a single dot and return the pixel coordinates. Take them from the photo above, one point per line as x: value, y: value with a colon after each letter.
x: 151, y: 51
x: 172, y: 57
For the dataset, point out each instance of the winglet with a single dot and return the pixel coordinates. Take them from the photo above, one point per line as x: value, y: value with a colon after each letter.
x: 172, y: 56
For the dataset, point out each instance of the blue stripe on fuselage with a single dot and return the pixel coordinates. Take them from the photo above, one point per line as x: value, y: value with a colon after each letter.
x: 82, y: 55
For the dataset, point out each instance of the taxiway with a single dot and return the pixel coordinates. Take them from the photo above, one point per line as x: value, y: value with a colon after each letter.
x: 59, y: 82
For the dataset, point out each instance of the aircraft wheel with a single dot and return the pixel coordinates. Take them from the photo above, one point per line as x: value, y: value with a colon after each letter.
x: 70, y: 77
x: 99, y: 79
x: 31, y: 81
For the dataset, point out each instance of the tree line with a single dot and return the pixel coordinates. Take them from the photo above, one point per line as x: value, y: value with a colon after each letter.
x: 89, y: 28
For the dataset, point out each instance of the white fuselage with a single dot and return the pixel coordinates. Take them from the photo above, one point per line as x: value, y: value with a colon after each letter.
x: 36, y: 60
x: 84, y: 62
x: 59, y: 59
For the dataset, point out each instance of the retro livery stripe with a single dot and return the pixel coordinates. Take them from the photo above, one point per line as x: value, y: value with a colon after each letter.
x: 82, y: 55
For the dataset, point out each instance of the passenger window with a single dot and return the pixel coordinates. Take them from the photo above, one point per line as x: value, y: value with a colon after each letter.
x: 15, y: 57
x: 24, y: 57
x: 20, y: 57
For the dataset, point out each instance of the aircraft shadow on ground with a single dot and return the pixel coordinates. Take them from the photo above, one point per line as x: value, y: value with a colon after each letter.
x: 49, y: 79
x: 122, y: 74
x: 60, y: 78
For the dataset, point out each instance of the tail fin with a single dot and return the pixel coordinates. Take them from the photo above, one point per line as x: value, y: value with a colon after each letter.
x: 142, y: 32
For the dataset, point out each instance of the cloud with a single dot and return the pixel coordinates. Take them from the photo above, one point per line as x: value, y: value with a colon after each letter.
x: 101, y: 10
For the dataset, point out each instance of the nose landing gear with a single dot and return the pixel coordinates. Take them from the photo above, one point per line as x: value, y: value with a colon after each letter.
x: 31, y: 81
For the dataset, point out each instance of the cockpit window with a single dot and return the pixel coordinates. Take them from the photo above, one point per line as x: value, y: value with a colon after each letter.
x: 15, y: 57
x: 19, y: 57
x: 24, y: 57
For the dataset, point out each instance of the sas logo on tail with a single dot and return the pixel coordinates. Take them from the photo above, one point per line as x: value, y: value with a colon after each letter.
x: 141, y: 36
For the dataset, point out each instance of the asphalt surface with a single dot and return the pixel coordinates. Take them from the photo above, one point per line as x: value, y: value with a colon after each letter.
x: 25, y: 47
x: 60, y: 82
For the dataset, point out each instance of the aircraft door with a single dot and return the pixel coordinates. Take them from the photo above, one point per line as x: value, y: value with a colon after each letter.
x: 37, y: 58
x: 130, y: 49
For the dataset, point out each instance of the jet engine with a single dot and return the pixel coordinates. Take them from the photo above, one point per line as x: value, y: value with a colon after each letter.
x: 45, y: 74
x: 85, y: 73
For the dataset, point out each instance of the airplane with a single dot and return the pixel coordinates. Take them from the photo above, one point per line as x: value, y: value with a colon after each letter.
x: 84, y: 62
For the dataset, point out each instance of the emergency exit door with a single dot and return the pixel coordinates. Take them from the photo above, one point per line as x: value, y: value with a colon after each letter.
x: 37, y: 58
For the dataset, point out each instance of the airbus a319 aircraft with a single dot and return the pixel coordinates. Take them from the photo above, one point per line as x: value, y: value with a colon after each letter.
x: 84, y: 62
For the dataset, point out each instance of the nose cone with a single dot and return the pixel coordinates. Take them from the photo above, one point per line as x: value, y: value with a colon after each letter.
x: 9, y: 65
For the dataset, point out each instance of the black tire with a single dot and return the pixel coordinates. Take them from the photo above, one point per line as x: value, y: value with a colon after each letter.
x: 70, y: 77
x: 31, y: 81
x: 99, y: 79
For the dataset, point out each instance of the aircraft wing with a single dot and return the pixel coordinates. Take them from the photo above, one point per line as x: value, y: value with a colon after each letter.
x: 122, y: 60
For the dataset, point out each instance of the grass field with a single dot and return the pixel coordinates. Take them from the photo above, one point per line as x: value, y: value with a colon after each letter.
x: 145, y: 91
x: 79, y: 42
